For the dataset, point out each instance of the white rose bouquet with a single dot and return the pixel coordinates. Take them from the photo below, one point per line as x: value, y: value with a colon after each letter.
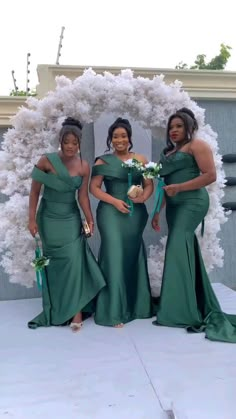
x: 151, y: 170
x: 39, y: 263
x: 133, y: 190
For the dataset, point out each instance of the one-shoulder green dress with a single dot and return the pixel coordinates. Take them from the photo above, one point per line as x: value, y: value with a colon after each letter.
x: 187, y: 298
x: 122, y: 255
x: 73, y: 277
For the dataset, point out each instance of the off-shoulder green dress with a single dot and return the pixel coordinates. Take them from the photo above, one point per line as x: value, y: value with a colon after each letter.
x: 73, y: 277
x: 122, y: 255
x: 187, y: 298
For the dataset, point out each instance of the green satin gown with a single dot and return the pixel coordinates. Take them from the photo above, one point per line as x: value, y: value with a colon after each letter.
x: 73, y: 277
x: 187, y: 298
x: 122, y: 255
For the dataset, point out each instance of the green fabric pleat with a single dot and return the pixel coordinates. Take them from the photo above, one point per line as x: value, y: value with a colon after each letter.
x: 187, y: 298
x: 122, y: 255
x: 73, y: 278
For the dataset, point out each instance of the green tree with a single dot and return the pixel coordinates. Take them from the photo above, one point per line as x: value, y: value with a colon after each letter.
x: 181, y: 66
x: 217, y: 63
x: 23, y: 93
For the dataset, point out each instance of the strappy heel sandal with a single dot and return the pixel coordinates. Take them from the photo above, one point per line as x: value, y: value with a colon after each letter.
x: 75, y: 327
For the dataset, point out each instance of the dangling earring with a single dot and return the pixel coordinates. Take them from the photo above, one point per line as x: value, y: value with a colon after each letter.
x: 59, y: 148
x: 189, y: 136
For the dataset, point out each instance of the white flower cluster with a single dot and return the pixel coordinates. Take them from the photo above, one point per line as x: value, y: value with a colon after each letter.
x: 40, y: 262
x: 35, y: 131
x: 128, y: 163
x: 133, y: 164
x: 151, y: 170
x: 150, y: 165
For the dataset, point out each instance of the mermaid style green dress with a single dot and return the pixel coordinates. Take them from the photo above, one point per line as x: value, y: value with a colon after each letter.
x: 73, y: 278
x: 122, y: 255
x: 187, y: 298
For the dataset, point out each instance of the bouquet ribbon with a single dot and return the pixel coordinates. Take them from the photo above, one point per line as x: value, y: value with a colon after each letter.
x: 39, y: 265
x: 129, y: 201
x: 203, y: 227
x: 159, y: 195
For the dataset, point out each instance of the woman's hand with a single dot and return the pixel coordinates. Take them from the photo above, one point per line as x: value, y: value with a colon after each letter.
x: 155, y: 222
x: 139, y: 200
x: 91, y: 227
x: 172, y: 190
x: 121, y: 206
x: 33, y: 228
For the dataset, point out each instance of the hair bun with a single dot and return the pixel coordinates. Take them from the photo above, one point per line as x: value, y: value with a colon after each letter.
x: 190, y: 113
x: 72, y: 122
x: 187, y: 111
x: 122, y: 121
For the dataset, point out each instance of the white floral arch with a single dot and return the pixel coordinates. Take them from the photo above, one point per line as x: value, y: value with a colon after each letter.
x: 35, y: 131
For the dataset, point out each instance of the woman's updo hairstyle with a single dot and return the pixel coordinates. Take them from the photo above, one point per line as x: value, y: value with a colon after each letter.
x: 190, y: 113
x: 119, y: 123
x: 190, y: 126
x: 71, y: 126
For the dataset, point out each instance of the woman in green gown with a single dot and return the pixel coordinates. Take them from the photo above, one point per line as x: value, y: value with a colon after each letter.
x: 73, y: 278
x: 187, y: 298
x: 122, y: 255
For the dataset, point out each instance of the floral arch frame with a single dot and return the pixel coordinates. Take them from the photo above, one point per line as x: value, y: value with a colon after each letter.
x: 35, y: 131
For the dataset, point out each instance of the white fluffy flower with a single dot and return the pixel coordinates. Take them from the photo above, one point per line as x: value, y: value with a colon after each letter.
x: 150, y: 165
x: 129, y: 162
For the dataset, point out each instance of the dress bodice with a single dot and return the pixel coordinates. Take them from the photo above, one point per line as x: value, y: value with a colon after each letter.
x: 178, y: 167
x: 58, y: 187
x: 115, y: 176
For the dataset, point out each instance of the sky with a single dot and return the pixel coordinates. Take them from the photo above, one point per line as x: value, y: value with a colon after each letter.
x: 124, y: 33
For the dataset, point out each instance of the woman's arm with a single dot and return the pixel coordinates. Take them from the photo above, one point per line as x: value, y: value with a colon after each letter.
x: 147, y: 192
x: 96, y: 190
x: 156, y: 217
x: 33, y: 202
x: 34, y: 197
x: 147, y: 184
x: 204, y: 158
x: 83, y: 197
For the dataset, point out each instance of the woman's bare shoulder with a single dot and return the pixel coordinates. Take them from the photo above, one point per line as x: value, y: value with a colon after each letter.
x: 85, y: 167
x: 43, y: 163
x: 99, y: 161
x: 140, y: 157
x: 198, y: 145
